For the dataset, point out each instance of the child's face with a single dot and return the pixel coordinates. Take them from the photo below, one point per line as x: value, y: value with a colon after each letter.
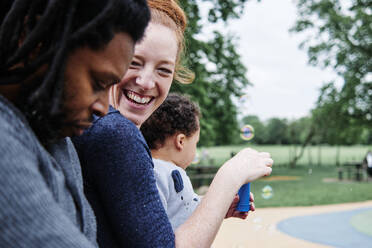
x: 188, y: 153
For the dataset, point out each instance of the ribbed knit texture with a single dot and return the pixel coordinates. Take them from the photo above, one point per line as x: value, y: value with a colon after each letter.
x: 179, y: 202
x: 41, y: 200
x: 120, y: 185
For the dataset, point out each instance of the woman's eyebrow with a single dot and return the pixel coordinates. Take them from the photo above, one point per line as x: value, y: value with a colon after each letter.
x: 167, y: 62
x: 164, y: 61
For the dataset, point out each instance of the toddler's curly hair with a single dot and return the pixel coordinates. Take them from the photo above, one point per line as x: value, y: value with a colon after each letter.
x: 177, y: 114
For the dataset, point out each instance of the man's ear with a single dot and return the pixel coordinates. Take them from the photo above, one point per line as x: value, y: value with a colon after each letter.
x: 180, y: 141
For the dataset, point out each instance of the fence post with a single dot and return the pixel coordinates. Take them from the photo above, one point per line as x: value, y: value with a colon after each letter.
x: 319, y: 155
x: 338, y: 156
x: 309, y: 155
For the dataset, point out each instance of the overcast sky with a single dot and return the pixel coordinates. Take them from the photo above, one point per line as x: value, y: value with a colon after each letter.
x: 284, y: 84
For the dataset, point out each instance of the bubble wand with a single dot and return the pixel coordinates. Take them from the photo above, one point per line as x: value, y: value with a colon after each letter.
x: 247, y: 133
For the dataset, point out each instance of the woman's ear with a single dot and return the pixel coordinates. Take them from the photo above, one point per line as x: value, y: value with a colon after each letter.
x: 180, y: 141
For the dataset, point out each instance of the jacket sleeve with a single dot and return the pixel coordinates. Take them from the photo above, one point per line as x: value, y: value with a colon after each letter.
x: 29, y: 215
x: 116, y: 158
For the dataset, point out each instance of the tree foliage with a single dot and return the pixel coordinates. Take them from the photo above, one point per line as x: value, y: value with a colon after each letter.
x: 311, y: 130
x: 340, y: 37
x: 220, y: 74
x: 331, y: 125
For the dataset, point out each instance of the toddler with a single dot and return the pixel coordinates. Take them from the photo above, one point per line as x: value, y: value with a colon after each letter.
x: 172, y: 133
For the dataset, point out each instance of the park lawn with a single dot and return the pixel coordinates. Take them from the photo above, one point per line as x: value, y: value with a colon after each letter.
x: 310, y: 188
x: 314, y: 155
x: 316, y: 184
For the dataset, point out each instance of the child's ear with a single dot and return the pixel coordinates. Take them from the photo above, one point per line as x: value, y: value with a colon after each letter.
x: 180, y: 141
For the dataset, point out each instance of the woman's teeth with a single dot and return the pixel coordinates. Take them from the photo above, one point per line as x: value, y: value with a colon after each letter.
x: 138, y: 99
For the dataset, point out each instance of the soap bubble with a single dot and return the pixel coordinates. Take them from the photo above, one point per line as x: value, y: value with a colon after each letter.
x: 271, y: 229
x: 239, y: 246
x: 244, y: 99
x: 196, y: 159
x: 257, y: 223
x: 257, y: 220
x: 247, y: 132
x: 257, y: 227
x: 267, y: 192
x: 204, y: 155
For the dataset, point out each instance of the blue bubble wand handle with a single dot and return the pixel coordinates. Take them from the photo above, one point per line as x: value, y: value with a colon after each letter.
x: 244, y: 198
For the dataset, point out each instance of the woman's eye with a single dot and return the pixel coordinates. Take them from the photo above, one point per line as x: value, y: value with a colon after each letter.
x: 134, y: 63
x: 165, y: 71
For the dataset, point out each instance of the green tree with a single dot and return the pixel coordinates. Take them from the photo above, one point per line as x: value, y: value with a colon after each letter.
x: 220, y: 74
x: 332, y: 126
x: 300, y: 131
x: 277, y: 131
x: 340, y: 37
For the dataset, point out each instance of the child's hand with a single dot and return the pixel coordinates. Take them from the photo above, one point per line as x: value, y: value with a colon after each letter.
x: 232, y: 212
x: 249, y: 165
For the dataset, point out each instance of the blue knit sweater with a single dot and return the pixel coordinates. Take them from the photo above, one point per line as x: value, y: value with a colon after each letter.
x: 120, y: 185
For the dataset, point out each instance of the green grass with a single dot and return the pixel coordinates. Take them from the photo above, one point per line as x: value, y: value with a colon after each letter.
x: 310, y: 189
x: 313, y: 155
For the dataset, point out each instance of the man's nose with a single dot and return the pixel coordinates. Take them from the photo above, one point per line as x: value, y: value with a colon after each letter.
x: 101, y: 105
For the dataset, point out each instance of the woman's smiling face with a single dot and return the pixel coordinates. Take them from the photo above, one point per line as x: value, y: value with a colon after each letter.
x: 149, y: 77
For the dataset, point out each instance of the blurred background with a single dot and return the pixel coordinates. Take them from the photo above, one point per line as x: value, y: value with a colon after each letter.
x: 299, y: 74
x: 293, y: 78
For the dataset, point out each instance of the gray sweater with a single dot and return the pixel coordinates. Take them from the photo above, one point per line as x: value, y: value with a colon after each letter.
x: 176, y: 192
x: 41, y: 194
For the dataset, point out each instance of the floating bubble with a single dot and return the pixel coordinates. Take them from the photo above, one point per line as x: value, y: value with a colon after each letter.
x: 271, y: 229
x: 204, y: 155
x: 267, y: 192
x: 244, y: 98
x: 247, y: 132
x: 257, y: 227
x: 196, y: 159
x: 239, y: 246
x: 257, y: 220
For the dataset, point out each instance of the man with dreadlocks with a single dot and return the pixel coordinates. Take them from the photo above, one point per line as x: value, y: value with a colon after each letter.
x: 58, y: 59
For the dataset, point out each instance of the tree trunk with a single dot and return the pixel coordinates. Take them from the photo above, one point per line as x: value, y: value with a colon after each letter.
x: 296, y: 157
x: 309, y: 155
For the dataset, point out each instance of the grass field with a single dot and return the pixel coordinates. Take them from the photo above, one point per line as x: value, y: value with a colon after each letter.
x: 308, y: 184
x: 313, y: 155
x: 316, y: 186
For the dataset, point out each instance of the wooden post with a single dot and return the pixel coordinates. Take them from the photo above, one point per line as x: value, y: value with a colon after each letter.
x: 309, y: 155
x: 337, y: 155
x: 319, y: 154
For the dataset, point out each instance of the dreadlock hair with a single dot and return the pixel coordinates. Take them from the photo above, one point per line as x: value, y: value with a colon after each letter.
x: 177, y: 114
x: 40, y: 34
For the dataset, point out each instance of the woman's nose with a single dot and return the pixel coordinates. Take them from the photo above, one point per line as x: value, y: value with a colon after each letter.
x: 145, y: 80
